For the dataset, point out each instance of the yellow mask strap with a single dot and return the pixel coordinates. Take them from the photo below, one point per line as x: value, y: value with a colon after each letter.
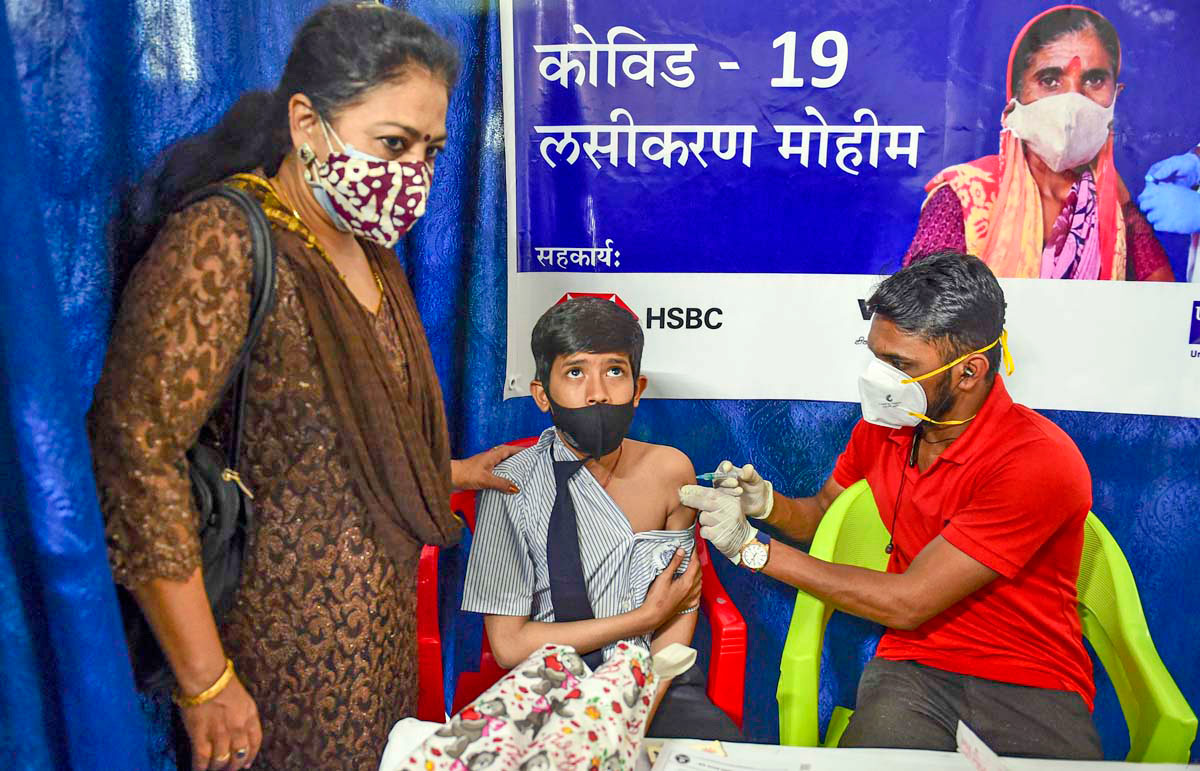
x: 1002, y: 341
x: 1009, y: 367
x: 942, y: 422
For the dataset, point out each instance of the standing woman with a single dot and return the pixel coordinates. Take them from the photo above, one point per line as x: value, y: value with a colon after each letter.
x: 346, y: 448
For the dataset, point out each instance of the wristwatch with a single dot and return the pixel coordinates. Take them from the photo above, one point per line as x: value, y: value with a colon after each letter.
x: 755, y: 553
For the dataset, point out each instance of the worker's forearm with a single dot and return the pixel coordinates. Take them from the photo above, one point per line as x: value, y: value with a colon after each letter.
x: 179, y: 614
x: 797, y: 518
x: 871, y: 594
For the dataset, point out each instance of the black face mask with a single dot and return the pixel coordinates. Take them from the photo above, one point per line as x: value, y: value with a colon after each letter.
x: 594, y: 430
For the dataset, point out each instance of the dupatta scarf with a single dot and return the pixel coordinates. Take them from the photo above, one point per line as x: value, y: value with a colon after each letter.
x: 397, y: 444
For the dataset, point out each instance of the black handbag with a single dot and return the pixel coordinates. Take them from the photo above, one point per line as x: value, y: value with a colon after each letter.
x: 225, y: 504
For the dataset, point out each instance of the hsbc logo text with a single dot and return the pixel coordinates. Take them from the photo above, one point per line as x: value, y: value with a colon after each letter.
x: 684, y: 318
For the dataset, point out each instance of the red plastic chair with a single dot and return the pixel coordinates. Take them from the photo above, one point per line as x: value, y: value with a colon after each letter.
x: 727, y: 663
x: 431, y: 698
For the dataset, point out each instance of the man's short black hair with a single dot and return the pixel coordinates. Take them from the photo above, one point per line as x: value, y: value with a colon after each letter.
x: 585, y: 325
x: 949, y: 299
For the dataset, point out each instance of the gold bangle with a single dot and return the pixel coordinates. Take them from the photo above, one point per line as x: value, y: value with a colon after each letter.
x: 209, y: 693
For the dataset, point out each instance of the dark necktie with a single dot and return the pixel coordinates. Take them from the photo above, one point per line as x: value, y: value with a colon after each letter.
x: 568, y: 587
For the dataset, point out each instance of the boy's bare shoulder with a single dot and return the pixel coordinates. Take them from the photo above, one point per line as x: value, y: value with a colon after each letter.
x: 670, y: 465
x: 661, y: 471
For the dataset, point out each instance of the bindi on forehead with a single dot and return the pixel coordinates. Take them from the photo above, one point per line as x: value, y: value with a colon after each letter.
x: 1084, y: 45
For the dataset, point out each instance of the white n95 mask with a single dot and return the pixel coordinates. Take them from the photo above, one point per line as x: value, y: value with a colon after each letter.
x: 889, y: 397
x: 1065, y: 130
x: 892, y: 399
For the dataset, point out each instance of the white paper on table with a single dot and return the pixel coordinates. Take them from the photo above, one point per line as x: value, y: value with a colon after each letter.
x: 979, y: 754
x: 686, y: 755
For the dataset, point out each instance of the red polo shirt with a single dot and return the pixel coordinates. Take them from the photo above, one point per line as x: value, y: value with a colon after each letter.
x: 1012, y: 493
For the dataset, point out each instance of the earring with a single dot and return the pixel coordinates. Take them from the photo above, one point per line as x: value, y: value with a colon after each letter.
x: 306, y: 156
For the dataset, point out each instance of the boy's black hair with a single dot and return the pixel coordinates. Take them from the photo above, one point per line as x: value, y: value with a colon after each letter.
x: 948, y: 298
x: 585, y: 325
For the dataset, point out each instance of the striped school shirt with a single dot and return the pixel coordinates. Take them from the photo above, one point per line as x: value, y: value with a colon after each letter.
x: 507, y: 571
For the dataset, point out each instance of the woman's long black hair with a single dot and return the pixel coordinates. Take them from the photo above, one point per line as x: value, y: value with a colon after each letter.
x: 342, y: 50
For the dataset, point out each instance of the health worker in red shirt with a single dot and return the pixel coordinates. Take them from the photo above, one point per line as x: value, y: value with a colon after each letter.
x: 985, y: 501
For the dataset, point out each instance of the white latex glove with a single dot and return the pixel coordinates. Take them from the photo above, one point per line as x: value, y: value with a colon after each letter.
x: 756, y: 494
x: 721, y: 519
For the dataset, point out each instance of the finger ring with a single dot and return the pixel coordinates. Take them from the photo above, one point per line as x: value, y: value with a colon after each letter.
x: 222, y: 758
x: 241, y: 753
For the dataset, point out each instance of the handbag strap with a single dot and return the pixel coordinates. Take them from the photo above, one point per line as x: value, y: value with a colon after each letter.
x: 262, y: 299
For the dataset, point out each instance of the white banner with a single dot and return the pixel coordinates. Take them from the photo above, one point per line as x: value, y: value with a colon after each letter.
x: 804, y: 337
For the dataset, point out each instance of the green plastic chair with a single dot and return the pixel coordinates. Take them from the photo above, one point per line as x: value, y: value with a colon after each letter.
x: 1161, y: 724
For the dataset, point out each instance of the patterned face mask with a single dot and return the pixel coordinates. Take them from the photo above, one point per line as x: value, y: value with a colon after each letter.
x: 372, y: 198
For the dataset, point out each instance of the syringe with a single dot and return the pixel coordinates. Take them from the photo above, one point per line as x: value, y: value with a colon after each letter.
x: 714, y: 475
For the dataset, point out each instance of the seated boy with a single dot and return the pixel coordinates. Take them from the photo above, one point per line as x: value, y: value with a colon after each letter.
x: 586, y: 552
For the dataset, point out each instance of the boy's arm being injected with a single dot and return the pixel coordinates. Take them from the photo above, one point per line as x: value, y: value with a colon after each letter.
x: 681, y: 627
x: 678, y: 629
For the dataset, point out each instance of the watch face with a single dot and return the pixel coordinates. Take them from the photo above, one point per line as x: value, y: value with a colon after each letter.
x: 754, y: 556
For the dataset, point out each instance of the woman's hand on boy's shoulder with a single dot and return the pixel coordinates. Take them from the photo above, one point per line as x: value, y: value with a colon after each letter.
x: 476, y: 472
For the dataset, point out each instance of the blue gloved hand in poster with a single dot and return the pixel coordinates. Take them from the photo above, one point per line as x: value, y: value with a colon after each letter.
x: 1171, y: 208
x: 1182, y: 169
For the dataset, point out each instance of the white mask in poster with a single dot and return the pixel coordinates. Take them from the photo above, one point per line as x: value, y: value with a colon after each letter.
x: 1065, y: 130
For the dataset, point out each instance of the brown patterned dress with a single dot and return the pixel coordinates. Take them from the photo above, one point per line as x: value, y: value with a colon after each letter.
x: 323, y: 629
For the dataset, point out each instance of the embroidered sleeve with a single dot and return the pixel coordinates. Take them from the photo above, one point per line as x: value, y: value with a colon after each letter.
x: 1144, y: 253
x: 939, y: 228
x: 181, y: 323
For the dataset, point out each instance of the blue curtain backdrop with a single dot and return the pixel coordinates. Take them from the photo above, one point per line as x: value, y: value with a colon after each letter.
x: 91, y: 91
